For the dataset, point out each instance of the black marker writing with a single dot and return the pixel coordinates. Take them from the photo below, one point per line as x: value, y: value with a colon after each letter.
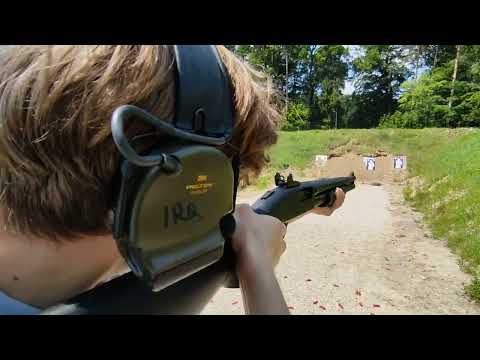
x: 180, y: 213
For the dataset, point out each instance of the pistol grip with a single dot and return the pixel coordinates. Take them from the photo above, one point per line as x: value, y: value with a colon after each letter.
x: 227, y: 227
x: 332, y: 198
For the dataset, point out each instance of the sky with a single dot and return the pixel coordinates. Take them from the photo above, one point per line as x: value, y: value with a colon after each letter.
x: 348, y: 89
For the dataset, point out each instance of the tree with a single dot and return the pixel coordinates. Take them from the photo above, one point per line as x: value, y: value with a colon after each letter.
x: 311, y: 74
x: 379, y: 72
x: 447, y: 95
x: 422, y: 104
x: 297, y: 117
x: 454, y: 77
x: 333, y: 70
x: 438, y: 55
x: 415, y: 56
x: 272, y: 59
x: 312, y: 77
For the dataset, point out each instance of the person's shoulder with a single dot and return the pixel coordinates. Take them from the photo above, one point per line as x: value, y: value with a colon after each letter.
x: 11, y: 306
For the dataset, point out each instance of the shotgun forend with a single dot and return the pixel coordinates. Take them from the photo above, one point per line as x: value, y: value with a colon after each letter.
x: 291, y: 198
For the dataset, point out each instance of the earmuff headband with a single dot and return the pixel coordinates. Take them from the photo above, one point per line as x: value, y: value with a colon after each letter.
x: 203, y: 98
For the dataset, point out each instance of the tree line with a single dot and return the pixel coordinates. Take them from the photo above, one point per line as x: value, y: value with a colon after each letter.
x: 410, y: 86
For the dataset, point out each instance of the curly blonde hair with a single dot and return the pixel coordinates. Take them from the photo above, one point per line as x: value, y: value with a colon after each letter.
x: 57, y: 156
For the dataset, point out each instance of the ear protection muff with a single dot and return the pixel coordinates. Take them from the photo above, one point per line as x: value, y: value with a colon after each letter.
x: 174, y: 200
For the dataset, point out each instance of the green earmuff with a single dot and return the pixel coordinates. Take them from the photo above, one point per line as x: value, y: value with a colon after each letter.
x: 173, y: 199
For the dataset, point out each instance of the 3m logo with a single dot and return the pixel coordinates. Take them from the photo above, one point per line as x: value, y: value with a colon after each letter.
x: 202, y: 178
x: 200, y: 187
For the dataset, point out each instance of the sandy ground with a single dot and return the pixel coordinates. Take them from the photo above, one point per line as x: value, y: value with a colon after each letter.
x: 373, y: 256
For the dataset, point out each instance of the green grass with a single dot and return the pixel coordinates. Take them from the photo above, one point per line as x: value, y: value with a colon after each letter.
x: 451, y: 199
x: 297, y: 149
x: 447, y: 161
x: 473, y: 289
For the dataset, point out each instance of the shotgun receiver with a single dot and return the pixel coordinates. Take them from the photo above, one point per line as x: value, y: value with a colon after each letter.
x: 291, y: 198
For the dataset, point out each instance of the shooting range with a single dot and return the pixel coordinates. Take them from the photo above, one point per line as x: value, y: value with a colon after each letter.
x: 366, y: 235
x: 400, y: 162
x: 321, y: 160
x: 379, y: 166
x: 369, y: 163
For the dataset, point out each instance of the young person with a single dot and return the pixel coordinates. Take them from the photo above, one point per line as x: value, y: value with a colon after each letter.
x: 57, y: 161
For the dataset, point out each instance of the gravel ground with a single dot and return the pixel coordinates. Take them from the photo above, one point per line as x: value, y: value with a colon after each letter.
x: 373, y: 256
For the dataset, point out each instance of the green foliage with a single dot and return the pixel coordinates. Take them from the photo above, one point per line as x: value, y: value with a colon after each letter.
x: 299, y: 148
x: 450, y: 198
x: 422, y: 104
x: 473, y: 289
x: 297, y: 117
x: 334, y: 70
x: 268, y: 58
x: 425, y: 102
x: 438, y: 55
x: 379, y: 73
x: 347, y: 110
x: 469, y: 109
x: 390, y: 90
x: 316, y: 74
